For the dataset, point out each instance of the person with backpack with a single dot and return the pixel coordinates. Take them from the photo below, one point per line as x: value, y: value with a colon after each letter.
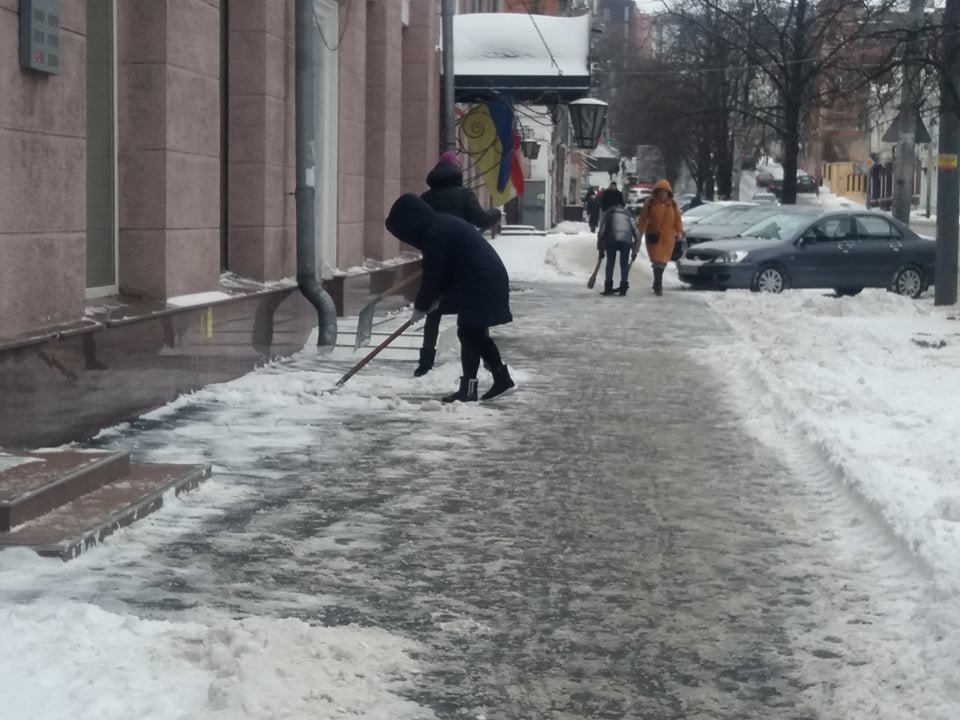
x: 617, y: 234
x: 660, y: 220
x: 448, y: 195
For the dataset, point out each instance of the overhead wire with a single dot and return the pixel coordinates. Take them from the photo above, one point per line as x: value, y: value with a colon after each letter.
x: 546, y: 45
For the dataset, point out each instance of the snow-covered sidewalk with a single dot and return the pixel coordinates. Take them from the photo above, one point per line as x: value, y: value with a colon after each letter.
x: 871, y: 380
x: 867, y: 380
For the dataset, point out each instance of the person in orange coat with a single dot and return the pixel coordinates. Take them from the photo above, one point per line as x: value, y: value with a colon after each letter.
x: 660, y: 220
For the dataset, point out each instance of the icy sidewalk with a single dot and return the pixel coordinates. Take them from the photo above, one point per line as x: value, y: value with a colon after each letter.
x: 871, y: 380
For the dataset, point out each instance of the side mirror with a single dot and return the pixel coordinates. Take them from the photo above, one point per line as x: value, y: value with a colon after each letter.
x: 802, y: 240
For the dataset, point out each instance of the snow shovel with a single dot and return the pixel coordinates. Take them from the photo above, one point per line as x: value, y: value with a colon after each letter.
x: 372, y: 354
x: 593, y: 277
x: 365, y: 319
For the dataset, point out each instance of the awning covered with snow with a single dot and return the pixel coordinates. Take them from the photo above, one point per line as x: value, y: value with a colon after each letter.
x: 536, y: 59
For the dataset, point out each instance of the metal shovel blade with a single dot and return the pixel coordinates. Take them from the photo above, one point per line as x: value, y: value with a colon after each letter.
x: 365, y: 319
x: 365, y: 323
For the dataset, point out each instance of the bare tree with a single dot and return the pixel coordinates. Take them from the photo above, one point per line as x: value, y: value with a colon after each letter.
x: 803, y: 54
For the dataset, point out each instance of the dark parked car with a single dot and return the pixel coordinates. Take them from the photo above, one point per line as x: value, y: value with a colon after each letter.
x: 731, y: 226
x: 814, y: 248
x: 720, y: 213
x: 764, y: 177
x: 805, y: 184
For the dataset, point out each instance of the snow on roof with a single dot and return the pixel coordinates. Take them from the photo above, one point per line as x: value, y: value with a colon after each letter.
x: 603, y: 150
x: 509, y: 44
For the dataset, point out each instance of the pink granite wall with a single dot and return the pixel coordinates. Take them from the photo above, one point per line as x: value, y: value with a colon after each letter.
x: 169, y: 150
x: 420, y: 82
x: 42, y: 179
x: 261, y: 207
x: 351, y: 155
x: 384, y: 114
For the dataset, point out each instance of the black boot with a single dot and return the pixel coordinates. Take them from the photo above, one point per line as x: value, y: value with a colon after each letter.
x: 607, y: 287
x: 426, y: 362
x: 466, y: 393
x: 623, y: 288
x: 658, y: 281
x: 503, y: 384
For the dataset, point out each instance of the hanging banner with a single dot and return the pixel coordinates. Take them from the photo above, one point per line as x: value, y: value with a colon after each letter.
x: 489, y: 135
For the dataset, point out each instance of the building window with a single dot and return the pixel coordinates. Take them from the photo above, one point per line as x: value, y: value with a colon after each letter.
x: 101, y: 148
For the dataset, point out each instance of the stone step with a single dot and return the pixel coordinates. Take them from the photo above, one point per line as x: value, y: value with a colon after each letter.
x: 68, y: 530
x: 34, y: 483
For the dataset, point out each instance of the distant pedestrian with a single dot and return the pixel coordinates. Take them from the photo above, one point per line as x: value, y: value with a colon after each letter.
x: 456, y: 255
x: 448, y: 195
x: 611, y: 198
x: 593, y: 209
x: 617, y: 234
x: 660, y: 220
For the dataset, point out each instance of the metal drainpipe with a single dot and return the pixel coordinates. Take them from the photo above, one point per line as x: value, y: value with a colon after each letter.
x: 305, y: 193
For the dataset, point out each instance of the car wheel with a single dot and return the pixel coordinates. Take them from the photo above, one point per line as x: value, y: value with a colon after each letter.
x: 769, y: 278
x: 848, y: 291
x: 908, y: 281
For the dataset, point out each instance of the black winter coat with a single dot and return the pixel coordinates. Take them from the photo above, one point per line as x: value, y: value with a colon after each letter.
x: 611, y: 198
x: 448, y: 195
x: 455, y: 256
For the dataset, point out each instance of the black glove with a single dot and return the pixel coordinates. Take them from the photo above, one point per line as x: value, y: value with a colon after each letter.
x: 601, y: 254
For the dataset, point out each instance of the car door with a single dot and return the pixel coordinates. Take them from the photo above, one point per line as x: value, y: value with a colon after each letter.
x: 824, y: 255
x: 878, y: 251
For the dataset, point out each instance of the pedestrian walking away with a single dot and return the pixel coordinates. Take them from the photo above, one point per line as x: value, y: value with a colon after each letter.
x: 660, y: 220
x: 611, y: 197
x: 593, y: 209
x: 617, y: 235
x: 448, y: 195
x: 456, y: 255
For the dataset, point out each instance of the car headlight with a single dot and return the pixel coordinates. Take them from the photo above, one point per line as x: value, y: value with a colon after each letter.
x: 732, y: 257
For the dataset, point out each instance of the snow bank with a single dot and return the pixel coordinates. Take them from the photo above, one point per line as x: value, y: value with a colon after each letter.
x: 871, y: 381
x: 80, y: 662
x: 556, y: 257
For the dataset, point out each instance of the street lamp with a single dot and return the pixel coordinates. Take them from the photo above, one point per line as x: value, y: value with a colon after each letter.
x: 530, y: 149
x: 588, y: 116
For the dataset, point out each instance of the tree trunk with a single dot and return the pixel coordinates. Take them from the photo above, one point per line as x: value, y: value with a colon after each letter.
x: 791, y: 152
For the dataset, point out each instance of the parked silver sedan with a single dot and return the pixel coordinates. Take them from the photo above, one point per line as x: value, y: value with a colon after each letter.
x: 814, y: 248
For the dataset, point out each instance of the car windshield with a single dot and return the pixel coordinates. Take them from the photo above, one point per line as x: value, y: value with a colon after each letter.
x: 780, y: 226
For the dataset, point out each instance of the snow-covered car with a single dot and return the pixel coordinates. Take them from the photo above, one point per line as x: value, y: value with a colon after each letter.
x: 729, y: 226
x: 815, y: 248
x: 767, y: 198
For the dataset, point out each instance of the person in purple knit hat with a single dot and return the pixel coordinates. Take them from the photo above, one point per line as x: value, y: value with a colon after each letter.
x: 448, y: 195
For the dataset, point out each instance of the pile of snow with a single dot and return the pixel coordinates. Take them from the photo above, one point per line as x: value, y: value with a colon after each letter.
x: 827, y: 199
x: 869, y: 380
x: 80, y: 662
x: 568, y: 227
x: 557, y: 257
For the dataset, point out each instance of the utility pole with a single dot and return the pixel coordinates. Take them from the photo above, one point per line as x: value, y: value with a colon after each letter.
x: 905, y: 163
x: 948, y: 182
x: 449, y: 121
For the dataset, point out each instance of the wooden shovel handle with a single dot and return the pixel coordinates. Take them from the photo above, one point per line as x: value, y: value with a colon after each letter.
x: 373, y: 353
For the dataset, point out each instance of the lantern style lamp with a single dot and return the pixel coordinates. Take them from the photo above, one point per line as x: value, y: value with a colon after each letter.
x: 587, y: 116
x: 530, y: 149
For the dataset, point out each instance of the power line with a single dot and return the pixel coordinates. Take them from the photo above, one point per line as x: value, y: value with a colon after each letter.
x: 542, y: 38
